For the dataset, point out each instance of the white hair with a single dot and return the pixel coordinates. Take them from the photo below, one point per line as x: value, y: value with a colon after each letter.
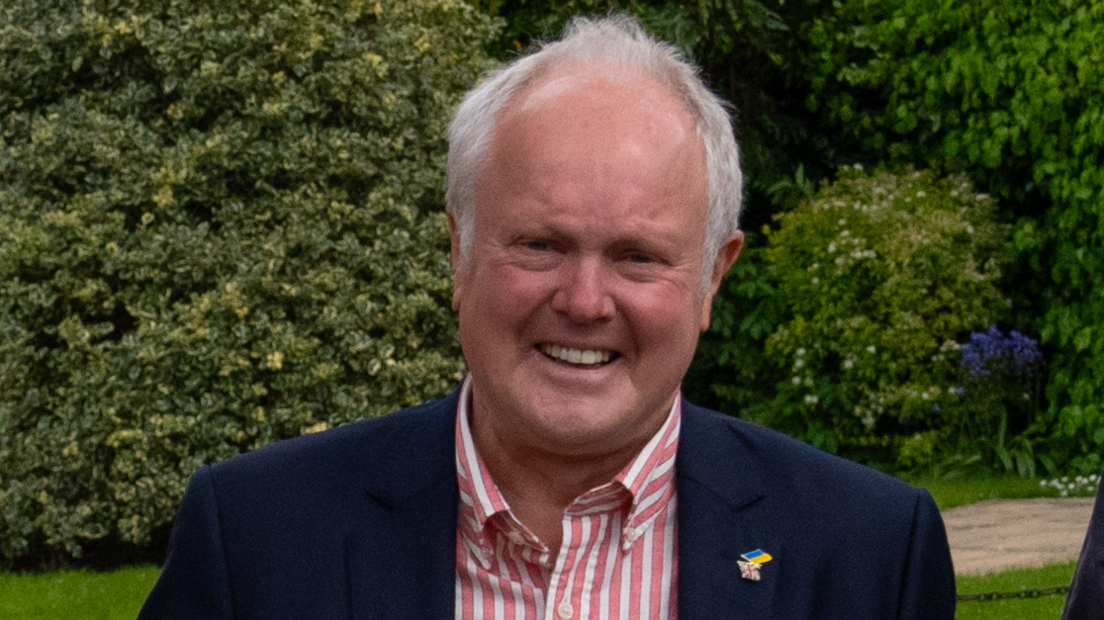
x: 617, y: 40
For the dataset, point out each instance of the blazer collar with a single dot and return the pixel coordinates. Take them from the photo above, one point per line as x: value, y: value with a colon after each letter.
x: 402, y: 563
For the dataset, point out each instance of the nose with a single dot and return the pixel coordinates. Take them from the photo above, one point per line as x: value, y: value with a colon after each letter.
x: 582, y: 293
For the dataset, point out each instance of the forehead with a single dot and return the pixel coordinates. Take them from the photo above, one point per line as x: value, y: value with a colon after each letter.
x: 596, y: 123
x: 582, y: 96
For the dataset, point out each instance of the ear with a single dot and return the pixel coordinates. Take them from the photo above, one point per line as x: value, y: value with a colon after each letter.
x: 724, y: 261
x: 454, y: 259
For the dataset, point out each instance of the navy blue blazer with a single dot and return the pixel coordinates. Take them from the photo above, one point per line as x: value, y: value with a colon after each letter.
x: 360, y: 522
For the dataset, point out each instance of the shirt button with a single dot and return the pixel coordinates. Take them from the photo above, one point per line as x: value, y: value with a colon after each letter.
x: 631, y: 534
x: 564, y: 610
x: 516, y: 537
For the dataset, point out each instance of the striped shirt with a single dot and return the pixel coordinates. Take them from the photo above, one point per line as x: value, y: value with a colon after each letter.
x: 617, y: 559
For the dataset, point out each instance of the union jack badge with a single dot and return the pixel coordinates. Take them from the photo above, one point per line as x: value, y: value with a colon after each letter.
x: 750, y: 570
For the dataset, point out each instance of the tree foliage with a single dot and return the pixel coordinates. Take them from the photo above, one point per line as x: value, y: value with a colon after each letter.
x: 221, y: 224
x: 1011, y: 91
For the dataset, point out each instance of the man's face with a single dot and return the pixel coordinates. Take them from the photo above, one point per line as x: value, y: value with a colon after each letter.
x: 581, y: 302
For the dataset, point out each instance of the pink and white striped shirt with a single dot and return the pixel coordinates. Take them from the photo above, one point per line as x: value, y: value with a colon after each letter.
x: 618, y: 558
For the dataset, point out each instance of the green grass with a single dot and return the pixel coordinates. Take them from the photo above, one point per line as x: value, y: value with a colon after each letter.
x: 951, y: 491
x: 1014, y: 581
x: 77, y: 595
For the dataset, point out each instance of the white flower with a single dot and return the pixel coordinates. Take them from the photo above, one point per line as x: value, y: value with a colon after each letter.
x: 811, y: 399
x: 871, y: 349
x: 816, y: 281
x: 920, y: 194
x: 801, y: 352
x: 858, y: 167
x: 832, y: 247
x: 798, y: 364
x: 797, y: 380
x: 848, y: 364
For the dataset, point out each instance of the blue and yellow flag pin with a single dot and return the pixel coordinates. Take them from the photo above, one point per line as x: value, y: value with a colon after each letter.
x: 752, y: 563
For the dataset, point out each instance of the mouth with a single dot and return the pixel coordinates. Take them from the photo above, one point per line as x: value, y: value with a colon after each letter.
x: 593, y: 358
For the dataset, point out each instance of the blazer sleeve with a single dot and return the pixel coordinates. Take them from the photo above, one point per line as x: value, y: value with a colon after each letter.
x: 194, y: 581
x: 928, y: 589
x: 1086, y: 595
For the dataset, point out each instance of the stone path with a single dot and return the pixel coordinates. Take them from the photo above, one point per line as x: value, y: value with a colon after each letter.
x: 999, y: 534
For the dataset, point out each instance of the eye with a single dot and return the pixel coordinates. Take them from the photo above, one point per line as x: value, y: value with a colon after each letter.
x: 536, y: 245
x: 640, y: 258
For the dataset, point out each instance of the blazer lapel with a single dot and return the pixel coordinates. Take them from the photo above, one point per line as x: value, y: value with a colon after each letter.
x: 723, y: 512
x: 401, y: 563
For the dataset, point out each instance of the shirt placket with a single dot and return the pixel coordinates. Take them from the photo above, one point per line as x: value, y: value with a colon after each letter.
x: 583, y: 530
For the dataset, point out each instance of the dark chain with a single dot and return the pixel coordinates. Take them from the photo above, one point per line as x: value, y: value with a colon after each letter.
x: 1029, y: 593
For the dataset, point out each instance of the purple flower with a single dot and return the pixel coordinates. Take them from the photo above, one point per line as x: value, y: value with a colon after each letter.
x: 991, y: 351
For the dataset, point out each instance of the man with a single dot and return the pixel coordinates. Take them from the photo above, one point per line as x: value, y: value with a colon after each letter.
x: 593, y: 195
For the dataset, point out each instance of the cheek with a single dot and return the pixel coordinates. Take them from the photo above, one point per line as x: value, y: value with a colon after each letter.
x: 499, y: 301
x: 666, y: 318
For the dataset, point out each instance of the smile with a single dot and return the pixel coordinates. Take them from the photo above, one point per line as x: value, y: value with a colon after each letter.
x: 579, y: 357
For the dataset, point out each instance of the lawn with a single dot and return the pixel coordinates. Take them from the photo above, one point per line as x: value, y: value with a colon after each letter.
x: 1015, y: 581
x: 951, y: 491
x: 85, y: 595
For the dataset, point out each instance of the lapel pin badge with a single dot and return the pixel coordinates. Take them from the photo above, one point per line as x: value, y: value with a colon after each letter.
x: 751, y: 564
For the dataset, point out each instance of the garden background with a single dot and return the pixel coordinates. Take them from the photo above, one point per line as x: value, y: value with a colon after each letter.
x: 221, y: 224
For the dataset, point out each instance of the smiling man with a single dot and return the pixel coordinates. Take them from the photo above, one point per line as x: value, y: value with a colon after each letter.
x: 593, y: 200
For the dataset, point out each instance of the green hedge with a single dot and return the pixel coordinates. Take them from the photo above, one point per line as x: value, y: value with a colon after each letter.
x: 220, y: 225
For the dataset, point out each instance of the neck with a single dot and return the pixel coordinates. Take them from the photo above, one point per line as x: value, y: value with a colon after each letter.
x: 538, y: 483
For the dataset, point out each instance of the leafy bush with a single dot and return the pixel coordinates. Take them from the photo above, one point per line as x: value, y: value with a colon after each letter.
x: 1012, y: 91
x: 732, y: 371
x: 879, y: 274
x: 220, y: 225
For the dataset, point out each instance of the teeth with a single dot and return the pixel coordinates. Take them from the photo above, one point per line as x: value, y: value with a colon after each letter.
x: 575, y: 356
